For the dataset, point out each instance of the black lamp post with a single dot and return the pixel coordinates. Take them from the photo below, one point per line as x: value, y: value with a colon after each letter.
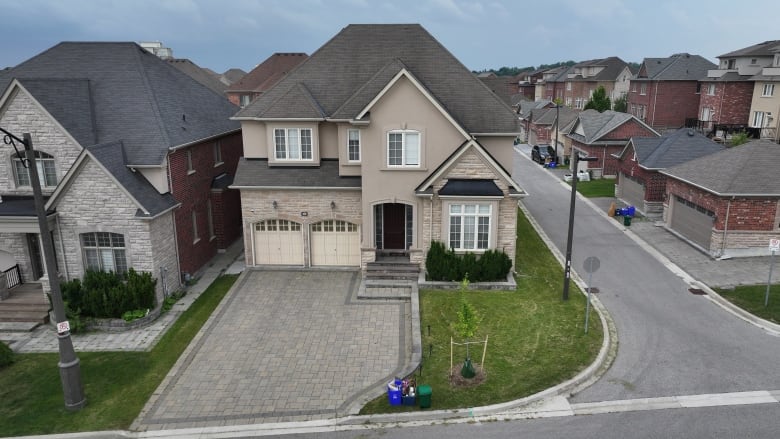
x: 567, y: 265
x: 557, y: 124
x: 70, y: 370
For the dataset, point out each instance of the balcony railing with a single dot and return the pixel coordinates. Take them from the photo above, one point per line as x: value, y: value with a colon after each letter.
x: 13, y: 276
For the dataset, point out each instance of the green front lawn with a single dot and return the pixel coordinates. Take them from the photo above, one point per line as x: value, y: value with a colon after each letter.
x: 603, y: 187
x: 116, y: 384
x: 535, y: 340
x: 751, y: 299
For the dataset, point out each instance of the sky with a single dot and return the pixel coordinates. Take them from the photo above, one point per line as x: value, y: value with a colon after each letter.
x: 223, y: 34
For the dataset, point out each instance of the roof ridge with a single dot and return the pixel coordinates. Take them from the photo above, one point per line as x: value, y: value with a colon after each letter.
x: 371, y: 80
x: 312, y: 100
x: 154, y: 104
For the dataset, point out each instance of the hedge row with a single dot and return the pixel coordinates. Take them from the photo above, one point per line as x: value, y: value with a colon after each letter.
x: 109, y: 295
x: 443, y: 264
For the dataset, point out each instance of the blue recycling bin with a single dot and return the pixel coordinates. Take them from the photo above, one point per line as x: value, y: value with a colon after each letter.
x: 394, y: 392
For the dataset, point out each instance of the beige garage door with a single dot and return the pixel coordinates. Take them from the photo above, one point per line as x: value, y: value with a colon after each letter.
x: 278, y: 242
x: 335, y: 242
x: 692, y: 221
x: 632, y: 191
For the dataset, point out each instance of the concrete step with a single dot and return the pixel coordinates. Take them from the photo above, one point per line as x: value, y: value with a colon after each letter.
x: 392, y: 275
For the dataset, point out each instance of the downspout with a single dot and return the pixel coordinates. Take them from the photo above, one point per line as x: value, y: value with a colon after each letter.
x: 655, y: 101
x: 430, y: 226
x: 725, y: 229
x: 173, y: 222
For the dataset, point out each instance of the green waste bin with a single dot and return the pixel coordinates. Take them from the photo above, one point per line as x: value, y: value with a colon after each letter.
x: 424, y: 396
x: 626, y: 220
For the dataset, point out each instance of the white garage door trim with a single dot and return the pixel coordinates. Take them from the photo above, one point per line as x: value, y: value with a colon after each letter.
x: 692, y: 221
x: 278, y: 242
x: 632, y: 191
x: 335, y: 242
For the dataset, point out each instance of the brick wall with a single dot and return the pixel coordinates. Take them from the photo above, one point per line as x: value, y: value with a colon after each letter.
x: 671, y: 102
x: 731, y: 102
x: 193, y: 190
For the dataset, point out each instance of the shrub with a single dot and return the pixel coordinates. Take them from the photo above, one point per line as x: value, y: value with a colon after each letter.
x: 443, y: 264
x: 6, y: 355
x: 109, y: 295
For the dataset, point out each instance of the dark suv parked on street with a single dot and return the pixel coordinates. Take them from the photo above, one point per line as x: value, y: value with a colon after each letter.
x: 541, y: 153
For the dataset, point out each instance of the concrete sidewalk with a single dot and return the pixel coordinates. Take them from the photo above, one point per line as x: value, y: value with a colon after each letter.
x: 44, y: 338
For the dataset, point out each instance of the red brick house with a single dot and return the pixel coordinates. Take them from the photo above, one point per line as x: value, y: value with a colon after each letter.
x: 725, y: 205
x: 640, y: 183
x: 727, y: 91
x: 603, y: 136
x: 585, y: 77
x: 263, y: 77
x: 665, y: 91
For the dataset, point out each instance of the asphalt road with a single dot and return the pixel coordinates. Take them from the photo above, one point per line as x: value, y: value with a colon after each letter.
x: 671, y: 342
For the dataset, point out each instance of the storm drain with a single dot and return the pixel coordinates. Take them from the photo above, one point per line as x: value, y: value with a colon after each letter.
x: 697, y: 291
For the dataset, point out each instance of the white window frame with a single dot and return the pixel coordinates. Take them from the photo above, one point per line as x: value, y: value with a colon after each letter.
x: 643, y: 89
x: 759, y: 118
x: 218, y: 153
x: 190, y: 168
x: 210, y: 220
x: 406, y: 159
x: 353, y: 149
x: 244, y: 100
x: 458, y: 224
x: 768, y: 90
x: 293, y: 136
x: 109, y: 252
x: 45, y: 164
x: 711, y: 89
x: 195, y: 236
x: 568, y: 86
x: 706, y: 114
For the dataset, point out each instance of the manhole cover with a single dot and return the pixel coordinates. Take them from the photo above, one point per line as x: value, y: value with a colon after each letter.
x: 697, y: 291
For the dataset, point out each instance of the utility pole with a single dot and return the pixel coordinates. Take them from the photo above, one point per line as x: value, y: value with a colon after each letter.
x: 70, y: 370
x: 567, y: 265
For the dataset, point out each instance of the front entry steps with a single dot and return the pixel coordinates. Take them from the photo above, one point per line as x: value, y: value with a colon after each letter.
x: 389, y: 278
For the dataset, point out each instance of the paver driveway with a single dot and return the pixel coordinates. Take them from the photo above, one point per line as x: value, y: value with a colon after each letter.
x: 283, y: 345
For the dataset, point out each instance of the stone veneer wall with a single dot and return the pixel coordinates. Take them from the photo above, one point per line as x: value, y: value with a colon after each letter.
x: 93, y: 203
x: 23, y: 115
x: 257, y: 205
x: 471, y: 166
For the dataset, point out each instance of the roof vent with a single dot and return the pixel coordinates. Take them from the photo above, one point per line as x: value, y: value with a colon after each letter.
x: 690, y: 133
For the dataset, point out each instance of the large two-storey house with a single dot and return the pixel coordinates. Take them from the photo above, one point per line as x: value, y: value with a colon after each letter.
x: 135, y: 159
x: 585, y: 77
x: 380, y: 142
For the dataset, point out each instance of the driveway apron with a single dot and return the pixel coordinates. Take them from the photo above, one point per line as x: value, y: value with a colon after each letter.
x: 282, y: 346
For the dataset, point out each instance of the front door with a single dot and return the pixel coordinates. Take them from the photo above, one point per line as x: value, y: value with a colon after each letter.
x: 394, y: 220
x: 36, y: 263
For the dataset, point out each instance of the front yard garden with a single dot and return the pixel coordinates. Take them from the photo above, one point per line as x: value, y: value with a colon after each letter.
x: 535, y: 340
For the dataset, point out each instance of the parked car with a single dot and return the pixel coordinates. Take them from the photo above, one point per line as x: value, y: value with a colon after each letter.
x: 542, y: 153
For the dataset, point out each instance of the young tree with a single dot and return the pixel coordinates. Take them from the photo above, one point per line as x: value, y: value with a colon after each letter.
x: 599, y: 101
x: 621, y: 104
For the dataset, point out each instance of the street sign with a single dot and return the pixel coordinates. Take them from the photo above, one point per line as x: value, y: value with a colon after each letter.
x: 63, y: 327
x: 774, y: 245
x: 591, y: 264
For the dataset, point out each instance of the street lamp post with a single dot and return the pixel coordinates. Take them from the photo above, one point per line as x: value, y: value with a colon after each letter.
x: 70, y: 370
x: 557, y: 125
x: 567, y: 265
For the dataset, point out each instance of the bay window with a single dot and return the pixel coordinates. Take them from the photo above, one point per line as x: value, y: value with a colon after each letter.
x: 469, y: 226
x: 293, y: 143
x: 104, y: 251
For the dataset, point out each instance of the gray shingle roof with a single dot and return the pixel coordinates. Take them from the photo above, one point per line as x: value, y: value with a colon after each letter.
x: 112, y: 157
x: 613, y: 66
x: 257, y: 173
x: 360, y: 60
x: 596, y: 125
x: 678, y: 67
x: 19, y: 206
x: 70, y: 102
x: 672, y: 148
x: 471, y: 188
x: 767, y: 48
x: 135, y: 97
x: 749, y: 169
x: 199, y: 74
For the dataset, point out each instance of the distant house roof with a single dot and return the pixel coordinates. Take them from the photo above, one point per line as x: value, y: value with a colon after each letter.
x: 612, y: 67
x: 767, y: 48
x: 527, y: 107
x: 596, y: 125
x: 671, y: 148
x: 678, y: 67
x: 233, y: 75
x: 255, y: 173
x: 745, y: 170
x: 346, y: 74
x: 110, y: 92
x: 199, y: 74
x: 267, y: 73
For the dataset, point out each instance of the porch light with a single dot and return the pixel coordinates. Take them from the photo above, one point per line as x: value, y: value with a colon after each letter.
x: 274, y: 204
x: 333, y: 205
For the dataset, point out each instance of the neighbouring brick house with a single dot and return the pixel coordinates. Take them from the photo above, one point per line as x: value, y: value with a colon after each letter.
x: 585, y: 77
x: 552, y: 84
x: 377, y: 144
x: 263, y: 77
x: 640, y: 183
x: 136, y: 160
x: 603, y: 136
x: 727, y: 91
x: 665, y: 91
x: 727, y: 203
x: 525, y: 110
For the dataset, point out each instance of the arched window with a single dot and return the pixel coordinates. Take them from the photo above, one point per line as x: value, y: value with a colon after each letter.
x: 104, y: 251
x: 47, y: 173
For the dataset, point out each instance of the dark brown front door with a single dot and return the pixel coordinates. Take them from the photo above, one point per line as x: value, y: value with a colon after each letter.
x: 394, y: 219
